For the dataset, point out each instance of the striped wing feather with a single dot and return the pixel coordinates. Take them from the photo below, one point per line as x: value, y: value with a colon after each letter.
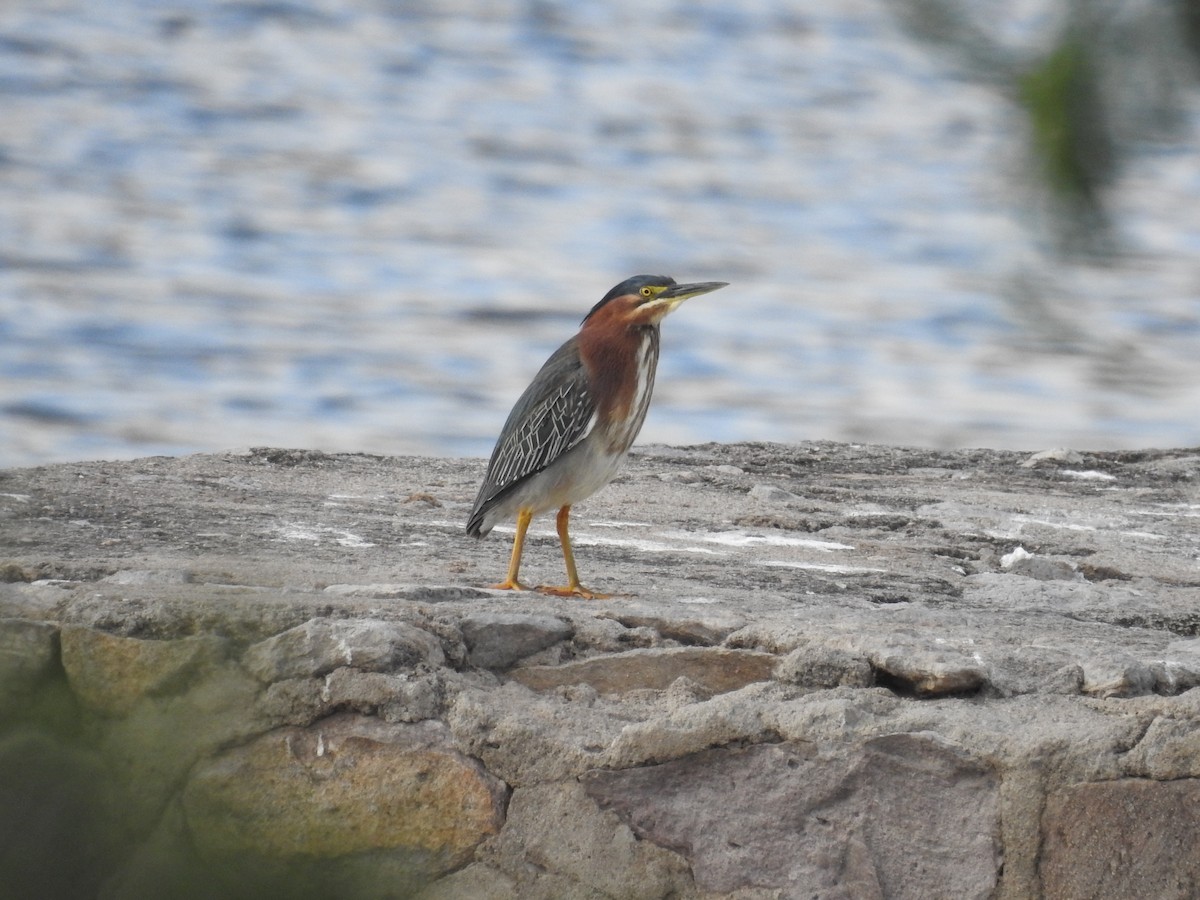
x: 551, y: 417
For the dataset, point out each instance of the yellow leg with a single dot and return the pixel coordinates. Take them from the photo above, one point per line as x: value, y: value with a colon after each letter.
x: 511, y: 583
x: 572, y: 588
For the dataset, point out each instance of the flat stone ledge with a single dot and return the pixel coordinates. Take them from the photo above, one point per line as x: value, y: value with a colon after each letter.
x: 1021, y: 641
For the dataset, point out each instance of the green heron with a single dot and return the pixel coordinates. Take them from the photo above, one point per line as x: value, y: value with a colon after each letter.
x: 570, y: 431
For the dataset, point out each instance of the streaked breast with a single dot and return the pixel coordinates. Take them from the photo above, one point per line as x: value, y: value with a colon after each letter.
x: 630, y: 409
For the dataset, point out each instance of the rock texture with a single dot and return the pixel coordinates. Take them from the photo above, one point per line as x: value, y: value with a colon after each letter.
x: 830, y: 671
x: 1091, y: 850
x: 344, y: 786
x: 901, y: 815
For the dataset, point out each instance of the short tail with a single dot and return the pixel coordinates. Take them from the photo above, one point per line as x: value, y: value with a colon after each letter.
x: 475, y: 523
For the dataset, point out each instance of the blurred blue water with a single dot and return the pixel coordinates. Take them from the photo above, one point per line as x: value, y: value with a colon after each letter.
x: 363, y: 226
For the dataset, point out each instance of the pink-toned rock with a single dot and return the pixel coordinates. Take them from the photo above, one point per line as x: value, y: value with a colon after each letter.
x: 902, y: 816
x: 1122, y: 839
x: 715, y: 668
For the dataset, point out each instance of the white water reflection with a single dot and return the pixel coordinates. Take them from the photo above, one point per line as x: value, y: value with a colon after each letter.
x: 363, y: 226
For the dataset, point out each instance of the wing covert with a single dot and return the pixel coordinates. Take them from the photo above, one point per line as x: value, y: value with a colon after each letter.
x: 553, y: 415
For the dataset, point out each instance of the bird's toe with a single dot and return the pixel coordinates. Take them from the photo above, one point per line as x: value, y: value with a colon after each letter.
x: 509, y: 585
x: 568, y: 590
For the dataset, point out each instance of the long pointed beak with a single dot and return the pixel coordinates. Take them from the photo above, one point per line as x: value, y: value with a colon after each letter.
x: 668, y: 300
x: 681, y: 292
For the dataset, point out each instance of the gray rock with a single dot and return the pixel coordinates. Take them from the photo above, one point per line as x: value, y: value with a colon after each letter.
x: 680, y: 623
x: 475, y: 882
x: 1169, y: 749
x: 417, y: 592
x: 1033, y: 670
x: 149, y: 576
x: 682, y: 476
x: 496, y: 640
x: 525, y: 738
x: 1041, y: 568
x: 1117, y: 676
x: 1050, y: 457
x: 825, y: 667
x: 556, y: 830
x: 864, y: 610
x: 321, y: 645
x: 399, y: 697
x: 903, y: 816
x: 769, y: 493
x: 927, y: 671
x: 1173, y: 676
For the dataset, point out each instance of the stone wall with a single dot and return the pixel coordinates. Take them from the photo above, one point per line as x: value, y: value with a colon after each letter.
x: 831, y: 671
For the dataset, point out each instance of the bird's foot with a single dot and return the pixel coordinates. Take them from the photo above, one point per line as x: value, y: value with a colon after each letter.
x: 571, y: 590
x: 509, y: 584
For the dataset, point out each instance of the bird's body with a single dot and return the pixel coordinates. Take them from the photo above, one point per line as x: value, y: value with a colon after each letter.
x: 571, y: 430
x: 557, y: 447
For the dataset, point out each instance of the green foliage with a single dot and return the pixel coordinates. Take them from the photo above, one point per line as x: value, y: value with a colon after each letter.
x: 1068, y: 123
x: 1111, y: 84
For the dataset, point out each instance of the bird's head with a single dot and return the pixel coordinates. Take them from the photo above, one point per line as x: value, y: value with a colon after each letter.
x: 646, y: 299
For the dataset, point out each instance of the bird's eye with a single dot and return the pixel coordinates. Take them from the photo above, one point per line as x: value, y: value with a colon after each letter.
x: 647, y: 292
